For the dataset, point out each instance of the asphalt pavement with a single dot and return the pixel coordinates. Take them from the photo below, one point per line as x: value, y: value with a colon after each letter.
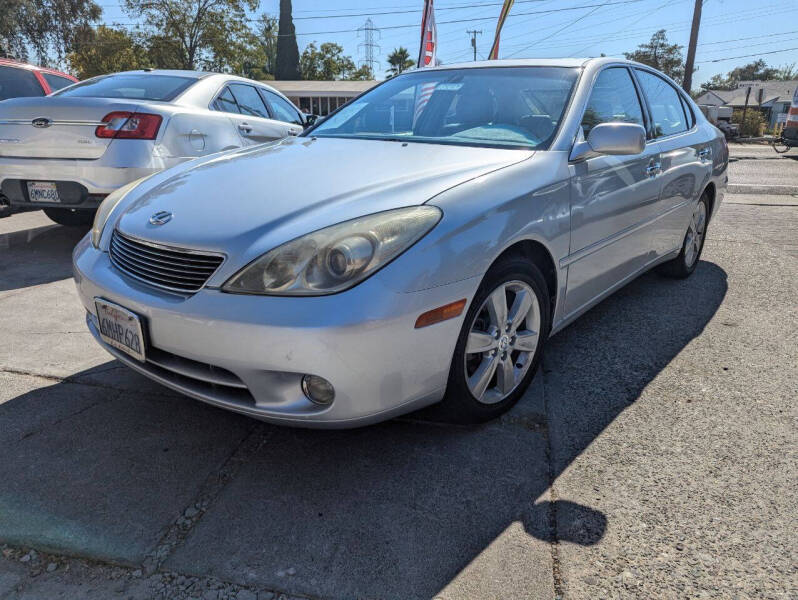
x: 654, y: 456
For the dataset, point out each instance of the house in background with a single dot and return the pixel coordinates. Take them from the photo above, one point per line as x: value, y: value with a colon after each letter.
x: 772, y: 98
x: 321, y: 97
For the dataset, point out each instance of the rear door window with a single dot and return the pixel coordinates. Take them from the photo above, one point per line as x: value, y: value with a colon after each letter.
x: 249, y: 101
x: 613, y: 100
x: 667, y: 111
x: 16, y: 83
x: 133, y: 86
x: 56, y: 82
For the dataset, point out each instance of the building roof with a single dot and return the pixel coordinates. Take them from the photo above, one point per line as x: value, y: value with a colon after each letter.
x: 322, y: 88
x: 774, y: 91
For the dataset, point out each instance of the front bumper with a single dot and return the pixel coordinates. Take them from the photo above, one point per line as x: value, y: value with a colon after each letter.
x: 249, y: 353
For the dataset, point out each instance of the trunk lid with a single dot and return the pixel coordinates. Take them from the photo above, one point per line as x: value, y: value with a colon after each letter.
x: 64, y: 127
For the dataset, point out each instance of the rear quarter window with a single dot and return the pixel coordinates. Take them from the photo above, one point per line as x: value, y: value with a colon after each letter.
x: 16, y: 83
x: 56, y: 82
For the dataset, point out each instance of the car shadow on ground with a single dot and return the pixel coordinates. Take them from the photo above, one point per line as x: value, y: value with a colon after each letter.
x: 38, y: 255
x: 399, y: 509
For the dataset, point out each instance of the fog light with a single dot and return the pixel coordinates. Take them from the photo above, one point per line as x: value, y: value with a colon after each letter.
x: 317, y: 389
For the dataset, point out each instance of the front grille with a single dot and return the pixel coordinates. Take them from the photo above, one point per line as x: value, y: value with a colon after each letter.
x: 165, y: 267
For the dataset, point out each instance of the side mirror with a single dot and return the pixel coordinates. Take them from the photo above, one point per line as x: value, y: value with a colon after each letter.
x: 611, y: 138
x: 310, y: 120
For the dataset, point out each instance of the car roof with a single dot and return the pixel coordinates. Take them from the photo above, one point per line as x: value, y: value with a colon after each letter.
x: 10, y: 62
x: 172, y: 72
x: 535, y: 62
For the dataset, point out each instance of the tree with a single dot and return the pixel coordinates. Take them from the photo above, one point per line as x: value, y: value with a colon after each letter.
x: 753, y: 71
x: 364, y: 73
x: 201, y: 32
x: 326, y: 62
x: 661, y: 55
x: 287, y: 51
x: 48, y: 27
x: 399, y: 60
x: 106, y: 50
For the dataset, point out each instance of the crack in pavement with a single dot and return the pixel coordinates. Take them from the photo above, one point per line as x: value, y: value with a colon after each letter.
x: 556, y: 571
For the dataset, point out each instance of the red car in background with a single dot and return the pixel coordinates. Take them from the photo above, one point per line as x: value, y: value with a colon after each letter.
x: 19, y: 79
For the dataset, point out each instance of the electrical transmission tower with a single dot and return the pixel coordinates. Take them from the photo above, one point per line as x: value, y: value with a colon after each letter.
x: 369, y: 46
x: 473, y: 33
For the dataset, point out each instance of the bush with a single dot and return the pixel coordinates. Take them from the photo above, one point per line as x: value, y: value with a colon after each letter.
x: 754, y: 121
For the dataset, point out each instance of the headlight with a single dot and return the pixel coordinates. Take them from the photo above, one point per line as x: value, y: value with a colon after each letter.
x: 106, y: 207
x: 337, y: 257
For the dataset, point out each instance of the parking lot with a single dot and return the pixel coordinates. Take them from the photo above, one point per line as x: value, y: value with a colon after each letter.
x: 654, y: 456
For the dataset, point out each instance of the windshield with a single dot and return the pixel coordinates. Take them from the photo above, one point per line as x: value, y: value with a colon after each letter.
x: 498, y: 107
x: 131, y: 86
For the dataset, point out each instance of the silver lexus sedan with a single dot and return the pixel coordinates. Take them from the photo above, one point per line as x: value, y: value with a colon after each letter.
x: 419, y: 245
x: 65, y: 152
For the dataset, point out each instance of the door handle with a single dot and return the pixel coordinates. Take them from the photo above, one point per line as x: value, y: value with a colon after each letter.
x: 292, y: 132
x: 245, y: 128
x: 653, y: 169
x: 705, y: 153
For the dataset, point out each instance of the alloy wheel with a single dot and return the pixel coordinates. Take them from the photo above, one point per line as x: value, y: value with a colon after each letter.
x: 502, y: 341
x: 695, y: 234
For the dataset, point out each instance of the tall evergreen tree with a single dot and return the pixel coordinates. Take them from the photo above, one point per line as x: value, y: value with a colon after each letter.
x: 287, y: 50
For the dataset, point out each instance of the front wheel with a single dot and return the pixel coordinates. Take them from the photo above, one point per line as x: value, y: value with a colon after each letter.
x: 70, y: 217
x: 500, y: 344
x: 683, y: 265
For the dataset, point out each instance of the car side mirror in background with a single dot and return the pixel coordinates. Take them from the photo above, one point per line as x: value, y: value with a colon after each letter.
x: 310, y: 120
x: 611, y: 138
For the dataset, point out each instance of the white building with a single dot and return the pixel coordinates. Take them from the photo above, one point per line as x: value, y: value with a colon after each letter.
x: 321, y: 97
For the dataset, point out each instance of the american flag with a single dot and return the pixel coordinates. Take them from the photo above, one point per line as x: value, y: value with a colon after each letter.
x: 427, y: 56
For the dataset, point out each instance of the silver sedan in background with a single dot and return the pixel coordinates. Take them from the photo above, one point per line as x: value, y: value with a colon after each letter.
x: 67, y: 151
x: 447, y: 223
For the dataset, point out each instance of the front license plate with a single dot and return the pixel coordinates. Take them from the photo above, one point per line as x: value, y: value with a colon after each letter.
x: 120, y: 328
x: 43, y: 191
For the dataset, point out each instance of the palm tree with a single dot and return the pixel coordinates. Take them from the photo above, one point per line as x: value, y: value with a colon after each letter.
x: 399, y: 60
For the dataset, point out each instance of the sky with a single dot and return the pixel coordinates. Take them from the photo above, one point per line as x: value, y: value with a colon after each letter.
x: 730, y: 29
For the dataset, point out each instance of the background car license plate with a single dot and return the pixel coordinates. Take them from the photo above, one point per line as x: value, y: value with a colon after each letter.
x: 43, y: 191
x: 120, y: 328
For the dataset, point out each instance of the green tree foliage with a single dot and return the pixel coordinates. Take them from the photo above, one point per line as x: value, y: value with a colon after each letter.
x: 326, y: 62
x: 201, y: 33
x: 753, y: 124
x: 48, y: 27
x: 106, y: 50
x: 364, y: 73
x: 754, y: 71
x: 661, y: 55
x: 399, y: 60
x: 287, y: 50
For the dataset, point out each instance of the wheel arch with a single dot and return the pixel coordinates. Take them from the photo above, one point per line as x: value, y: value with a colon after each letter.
x: 541, y: 257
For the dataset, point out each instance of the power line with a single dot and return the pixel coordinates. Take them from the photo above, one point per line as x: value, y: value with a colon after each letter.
x: 746, y: 55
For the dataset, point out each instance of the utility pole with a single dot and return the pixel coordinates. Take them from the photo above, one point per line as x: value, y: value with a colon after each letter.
x: 687, y: 83
x: 473, y: 33
x: 369, y: 46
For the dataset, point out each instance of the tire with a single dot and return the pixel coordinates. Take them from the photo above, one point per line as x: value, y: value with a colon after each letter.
x: 683, y: 265
x: 70, y: 217
x: 5, y: 207
x: 517, y: 276
x: 780, y: 147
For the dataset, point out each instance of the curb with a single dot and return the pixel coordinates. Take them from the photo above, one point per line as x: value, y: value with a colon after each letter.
x: 762, y: 188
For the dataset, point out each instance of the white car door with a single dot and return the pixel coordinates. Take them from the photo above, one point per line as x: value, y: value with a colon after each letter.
x: 248, y: 114
x: 283, y: 111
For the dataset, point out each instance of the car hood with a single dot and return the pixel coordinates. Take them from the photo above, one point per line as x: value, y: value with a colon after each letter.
x: 245, y: 202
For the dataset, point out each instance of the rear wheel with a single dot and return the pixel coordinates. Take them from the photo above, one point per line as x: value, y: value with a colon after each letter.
x: 683, y: 265
x: 500, y: 344
x: 70, y: 217
x: 779, y: 146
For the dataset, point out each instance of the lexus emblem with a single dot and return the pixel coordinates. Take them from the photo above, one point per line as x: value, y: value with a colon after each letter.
x: 161, y: 217
x: 41, y: 122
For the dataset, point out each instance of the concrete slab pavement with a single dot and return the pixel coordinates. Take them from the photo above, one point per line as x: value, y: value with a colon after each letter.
x: 653, y: 457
